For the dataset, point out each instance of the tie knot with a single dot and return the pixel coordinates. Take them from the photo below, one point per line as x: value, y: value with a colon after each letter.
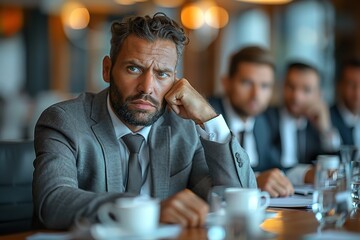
x: 133, y: 142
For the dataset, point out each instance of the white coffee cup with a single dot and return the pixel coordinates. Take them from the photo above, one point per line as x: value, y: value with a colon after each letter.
x: 133, y: 215
x: 246, y: 200
x: 249, y: 204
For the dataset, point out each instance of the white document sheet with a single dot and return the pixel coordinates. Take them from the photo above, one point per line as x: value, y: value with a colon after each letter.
x: 295, y: 201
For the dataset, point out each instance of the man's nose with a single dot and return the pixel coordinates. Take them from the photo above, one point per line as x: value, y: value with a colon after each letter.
x: 146, y: 84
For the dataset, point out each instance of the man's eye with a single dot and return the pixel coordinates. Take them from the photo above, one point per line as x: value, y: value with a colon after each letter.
x: 163, y: 75
x: 246, y: 83
x: 265, y: 86
x: 133, y: 69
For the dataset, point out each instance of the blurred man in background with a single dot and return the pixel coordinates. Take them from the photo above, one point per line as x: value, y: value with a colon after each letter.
x: 345, y: 114
x: 302, y: 126
x: 248, y: 90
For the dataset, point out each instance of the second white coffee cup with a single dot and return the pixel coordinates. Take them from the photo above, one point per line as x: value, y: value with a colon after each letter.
x: 246, y: 200
x: 133, y: 215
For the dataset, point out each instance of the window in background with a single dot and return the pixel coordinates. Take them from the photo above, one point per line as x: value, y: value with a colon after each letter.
x: 251, y: 27
x: 307, y: 35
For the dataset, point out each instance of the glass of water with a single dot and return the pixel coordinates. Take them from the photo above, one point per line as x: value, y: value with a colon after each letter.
x: 355, y: 183
x: 331, y: 201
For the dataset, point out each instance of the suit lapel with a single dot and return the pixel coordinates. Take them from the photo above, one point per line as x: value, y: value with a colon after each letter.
x: 159, y: 145
x: 104, y: 132
x: 344, y: 130
x: 260, y: 135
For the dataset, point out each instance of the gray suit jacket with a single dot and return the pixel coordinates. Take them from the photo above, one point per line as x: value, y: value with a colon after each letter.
x: 77, y: 165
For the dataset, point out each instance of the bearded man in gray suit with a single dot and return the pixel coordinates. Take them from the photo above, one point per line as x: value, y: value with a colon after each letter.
x: 82, y: 162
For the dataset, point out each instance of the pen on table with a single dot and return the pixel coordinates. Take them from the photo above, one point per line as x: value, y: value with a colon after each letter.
x: 303, y: 193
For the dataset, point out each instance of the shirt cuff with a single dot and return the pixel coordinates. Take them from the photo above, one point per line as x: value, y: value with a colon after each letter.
x: 216, y: 130
x: 296, y: 174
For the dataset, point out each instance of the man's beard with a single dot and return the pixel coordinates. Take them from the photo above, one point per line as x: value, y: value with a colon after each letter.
x: 134, y: 117
x: 240, y: 111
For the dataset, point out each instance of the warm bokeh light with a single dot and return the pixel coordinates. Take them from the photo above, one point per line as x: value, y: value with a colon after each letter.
x: 169, y: 3
x: 11, y: 20
x: 75, y: 15
x: 192, y: 16
x: 79, y: 18
x: 216, y: 17
x: 125, y: 2
x: 266, y: 1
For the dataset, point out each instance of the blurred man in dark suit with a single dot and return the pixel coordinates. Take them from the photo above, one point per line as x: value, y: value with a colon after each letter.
x: 248, y: 90
x: 302, y: 125
x: 345, y: 114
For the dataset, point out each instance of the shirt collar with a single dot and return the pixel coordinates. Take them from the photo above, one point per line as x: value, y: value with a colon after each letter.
x: 120, y: 128
x: 349, y: 118
x: 300, y: 123
x: 235, y: 122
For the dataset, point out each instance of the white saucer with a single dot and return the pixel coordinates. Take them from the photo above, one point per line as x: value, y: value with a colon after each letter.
x: 102, y: 232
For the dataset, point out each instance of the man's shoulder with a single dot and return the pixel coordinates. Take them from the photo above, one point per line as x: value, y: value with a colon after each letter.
x: 83, y: 101
x: 75, y: 107
x: 336, y: 117
x: 272, y: 114
x: 217, y: 103
x: 82, y: 98
x: 334, y: 110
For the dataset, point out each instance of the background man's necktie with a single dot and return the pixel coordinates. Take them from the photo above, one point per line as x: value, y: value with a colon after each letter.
x: 242, y: 138
x: 301, y: 145
x: 134, y: 181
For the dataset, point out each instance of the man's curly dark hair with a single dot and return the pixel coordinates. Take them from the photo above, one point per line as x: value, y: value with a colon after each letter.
x: 149, y: 28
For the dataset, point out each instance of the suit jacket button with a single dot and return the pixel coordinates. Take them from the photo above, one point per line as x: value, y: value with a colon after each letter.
x: 239, y: 160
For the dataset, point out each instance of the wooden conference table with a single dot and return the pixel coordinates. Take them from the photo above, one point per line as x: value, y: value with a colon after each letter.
x: 287, y: 224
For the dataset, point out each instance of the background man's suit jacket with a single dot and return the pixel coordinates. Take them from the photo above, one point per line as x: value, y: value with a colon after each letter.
x: 344, y: 130
x: 313, y: 143
x: 77, y: 165
x: 268, y: 156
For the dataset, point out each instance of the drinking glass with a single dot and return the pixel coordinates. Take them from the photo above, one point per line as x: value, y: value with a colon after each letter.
x: 355, y: 183
x: 236, y: 213
x: 216, y: 222
x: 331, y: 200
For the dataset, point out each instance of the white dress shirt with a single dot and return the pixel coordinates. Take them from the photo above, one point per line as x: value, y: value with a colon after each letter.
x: 288, y: 133
x: 215, y: 130
x: 351, y: 120
x: 237, y: 125
x: 289, y: 125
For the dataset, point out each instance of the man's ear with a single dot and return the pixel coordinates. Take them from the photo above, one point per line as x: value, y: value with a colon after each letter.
x: 106, y: 71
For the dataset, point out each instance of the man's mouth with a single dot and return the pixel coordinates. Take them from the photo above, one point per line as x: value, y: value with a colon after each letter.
x: 143, y: 104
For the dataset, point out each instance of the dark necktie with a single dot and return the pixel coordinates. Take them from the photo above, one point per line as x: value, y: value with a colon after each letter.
x: 351, y: 140
x: 134, y: 181
x: 242, y: 139
x: 301, y: 145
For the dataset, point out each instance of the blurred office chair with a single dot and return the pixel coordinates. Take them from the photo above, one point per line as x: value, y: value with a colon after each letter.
x: 16, y: 171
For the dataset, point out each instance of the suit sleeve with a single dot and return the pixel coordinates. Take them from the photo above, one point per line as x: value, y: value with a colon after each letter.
x: 228, y: 164
x: 58, y: 200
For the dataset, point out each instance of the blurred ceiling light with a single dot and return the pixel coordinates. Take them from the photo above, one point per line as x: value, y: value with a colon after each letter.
x: 125, y: 2
x: 79, y: 18
x: 267, y: 1
x: 192, y: 16
x: 11, y: 20
x: 216, y: 17
x: 75, y: 15
x: 169, y: 3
